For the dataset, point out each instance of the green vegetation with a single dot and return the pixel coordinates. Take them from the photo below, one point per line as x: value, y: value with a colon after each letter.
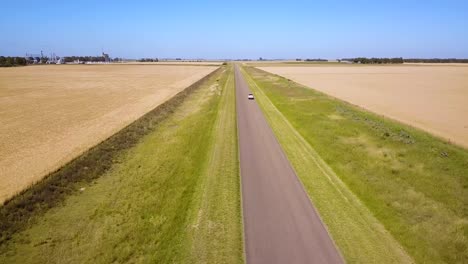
x: 437, y: 60
x: 218, y: 226
x: 312, y: 60
x: 86, y: 58
x: 161, y: 201
x: 12, y: 61
x: 148, y: 60
x: 377, y: 183
x: 364, y: 60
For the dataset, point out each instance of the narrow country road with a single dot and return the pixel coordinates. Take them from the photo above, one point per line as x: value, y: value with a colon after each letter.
x: 280, y: 223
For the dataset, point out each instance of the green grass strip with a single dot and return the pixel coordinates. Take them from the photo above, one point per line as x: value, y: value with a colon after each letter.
x: 217, y: 233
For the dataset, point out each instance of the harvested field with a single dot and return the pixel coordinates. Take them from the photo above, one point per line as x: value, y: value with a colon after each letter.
x: 51, y: 114
x: 433, y: 98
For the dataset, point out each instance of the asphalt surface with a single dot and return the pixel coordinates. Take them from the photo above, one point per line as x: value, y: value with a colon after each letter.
x: 280, y: 223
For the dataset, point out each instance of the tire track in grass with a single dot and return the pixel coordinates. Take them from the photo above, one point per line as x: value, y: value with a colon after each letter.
x: 359, y: 235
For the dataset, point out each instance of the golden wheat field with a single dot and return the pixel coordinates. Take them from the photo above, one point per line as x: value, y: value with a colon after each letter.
x: 51, y: 114
x: 430, y: 97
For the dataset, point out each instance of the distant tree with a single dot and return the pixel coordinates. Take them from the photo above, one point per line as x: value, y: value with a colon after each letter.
x: 315, y: 60
x: 364, y: 60
x: 21, y: 61
x: 12, y: 61
x: 436, y: 60
x: 148, y: 60
x: 397, y: 60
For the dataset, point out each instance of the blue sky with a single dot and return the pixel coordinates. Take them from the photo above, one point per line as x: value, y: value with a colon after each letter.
x: 236, y: 29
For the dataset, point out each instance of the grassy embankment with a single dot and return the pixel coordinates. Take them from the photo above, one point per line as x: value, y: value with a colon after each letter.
x: 387, y: 192
x: 173, y: 197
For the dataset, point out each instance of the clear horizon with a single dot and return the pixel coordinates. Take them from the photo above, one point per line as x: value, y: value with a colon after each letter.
x: 236, y: 30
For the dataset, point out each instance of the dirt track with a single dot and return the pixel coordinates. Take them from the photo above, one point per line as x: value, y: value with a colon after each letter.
x: 280, y: 223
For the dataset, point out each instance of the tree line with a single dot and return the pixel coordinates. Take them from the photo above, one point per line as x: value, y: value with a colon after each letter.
x: 314, y: 60
x: 437, y: 60
x: 148, y: 60
x: 12, y: 61
x: 87, y: 59
x: 22, y: 61
x: 364, y: 60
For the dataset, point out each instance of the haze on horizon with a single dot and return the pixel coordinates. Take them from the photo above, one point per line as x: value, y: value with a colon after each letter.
x: 236, y: 29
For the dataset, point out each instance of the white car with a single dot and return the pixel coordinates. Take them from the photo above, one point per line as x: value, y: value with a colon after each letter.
x: 250, y: 97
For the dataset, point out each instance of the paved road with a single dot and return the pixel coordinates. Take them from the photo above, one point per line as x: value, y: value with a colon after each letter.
x: 280, y: 223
